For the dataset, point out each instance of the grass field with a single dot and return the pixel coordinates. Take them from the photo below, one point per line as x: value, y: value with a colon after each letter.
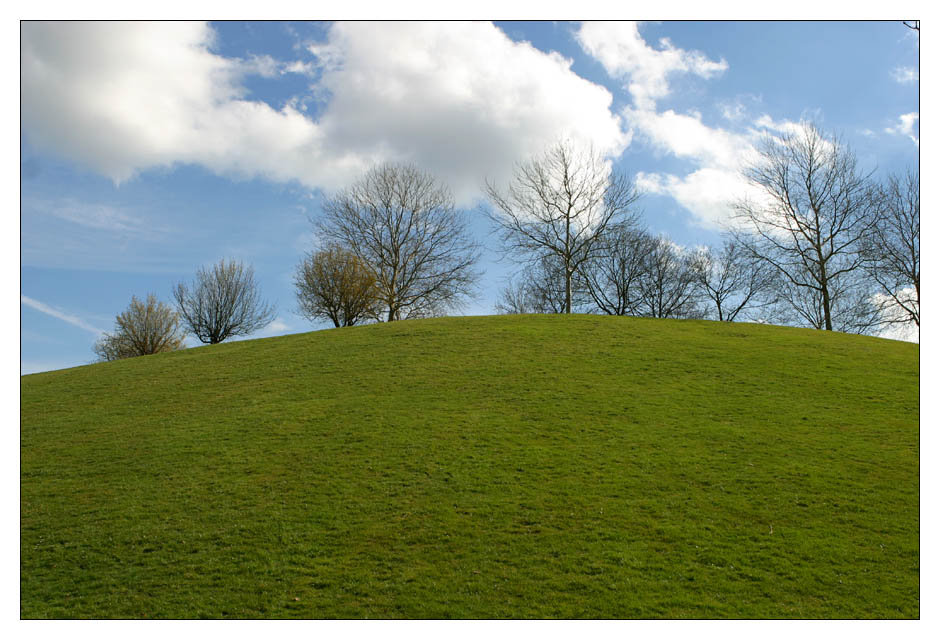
x: 514, y: 466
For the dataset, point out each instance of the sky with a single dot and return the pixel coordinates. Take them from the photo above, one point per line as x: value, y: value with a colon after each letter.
x: 149, y: 149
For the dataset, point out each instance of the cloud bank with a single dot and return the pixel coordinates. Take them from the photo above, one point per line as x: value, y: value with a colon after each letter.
x: 461, y: 99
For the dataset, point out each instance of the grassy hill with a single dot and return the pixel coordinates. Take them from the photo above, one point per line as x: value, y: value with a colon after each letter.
x: 515, y: 466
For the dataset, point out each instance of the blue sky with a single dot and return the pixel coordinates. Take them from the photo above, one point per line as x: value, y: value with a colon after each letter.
x: 150, y: 149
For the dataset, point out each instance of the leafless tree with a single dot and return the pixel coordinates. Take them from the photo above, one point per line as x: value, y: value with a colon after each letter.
x: 667, y: 282
x: 515, y: 298
x: 223, y: 302
x: 892, y: 249
x: 810, y: 224
x: 539, y: 288
x: 912, y: 24
x: 616, y: 276
x: 733, y: 280
x: 334, y: 284
x: 142, y: 329
x: 402, y: 224
x: 561, y: 203
x: 855, y: 312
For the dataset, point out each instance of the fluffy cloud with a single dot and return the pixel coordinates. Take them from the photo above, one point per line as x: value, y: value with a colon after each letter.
x: 122, y: 97
x: 686, y: 136
x: 468, y: 101
x: 461, y: 99
x: 624, y: 54
x: 707, y: 193
x: 907, y: 126
x: 719, y: 156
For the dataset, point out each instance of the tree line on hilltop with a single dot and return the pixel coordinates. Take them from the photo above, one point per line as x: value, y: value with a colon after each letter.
x: 819, y: 244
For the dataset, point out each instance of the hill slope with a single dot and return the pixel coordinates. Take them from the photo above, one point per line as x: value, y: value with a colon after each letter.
x: 515, y: 466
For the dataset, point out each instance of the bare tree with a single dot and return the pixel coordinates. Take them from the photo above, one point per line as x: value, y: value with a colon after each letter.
x: 615, y: 277
x: 892, y: 249
x: 402, y: 224
x: 539, y: 288
x: 142, y: 329
x: 810, y: 225
x: 561, y: 203
x: 733, y: 280
x: 856, y: 310
x: 515, y: 298
x: 667, y: 282
x: 222, y: 303
x: 333, y: 283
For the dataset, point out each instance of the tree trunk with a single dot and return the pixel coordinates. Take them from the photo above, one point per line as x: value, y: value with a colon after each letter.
x: 827, y: 302
x: 826, y: 311
x: 567, y: 290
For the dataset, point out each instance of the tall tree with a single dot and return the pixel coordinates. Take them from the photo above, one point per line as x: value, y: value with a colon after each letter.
x: 223, y: 302
x: 561, y: 204
x: 334, y: 284
x: 404, y: 227
x: 809, y: 225
x: 892, y: 249
x: 144, y: 328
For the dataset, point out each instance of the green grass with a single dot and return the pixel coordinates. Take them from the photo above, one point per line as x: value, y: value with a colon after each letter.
x: 520, y: 466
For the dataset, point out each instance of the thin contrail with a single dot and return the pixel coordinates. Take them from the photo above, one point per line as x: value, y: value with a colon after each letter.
x: 55, y: 313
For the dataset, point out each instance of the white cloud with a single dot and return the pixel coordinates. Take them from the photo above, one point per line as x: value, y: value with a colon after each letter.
x: 299, y: 66
x: 907, y: 126
x: 61, y: 315
x: 686, y: 136
x: 719, y: 156
x: 905, y: 75
x: 119, y: 97
x: 707, y: 193
x: 459, y: 98
x: 268, y: 67
x: 623, y: 52
x: 467, y: 101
